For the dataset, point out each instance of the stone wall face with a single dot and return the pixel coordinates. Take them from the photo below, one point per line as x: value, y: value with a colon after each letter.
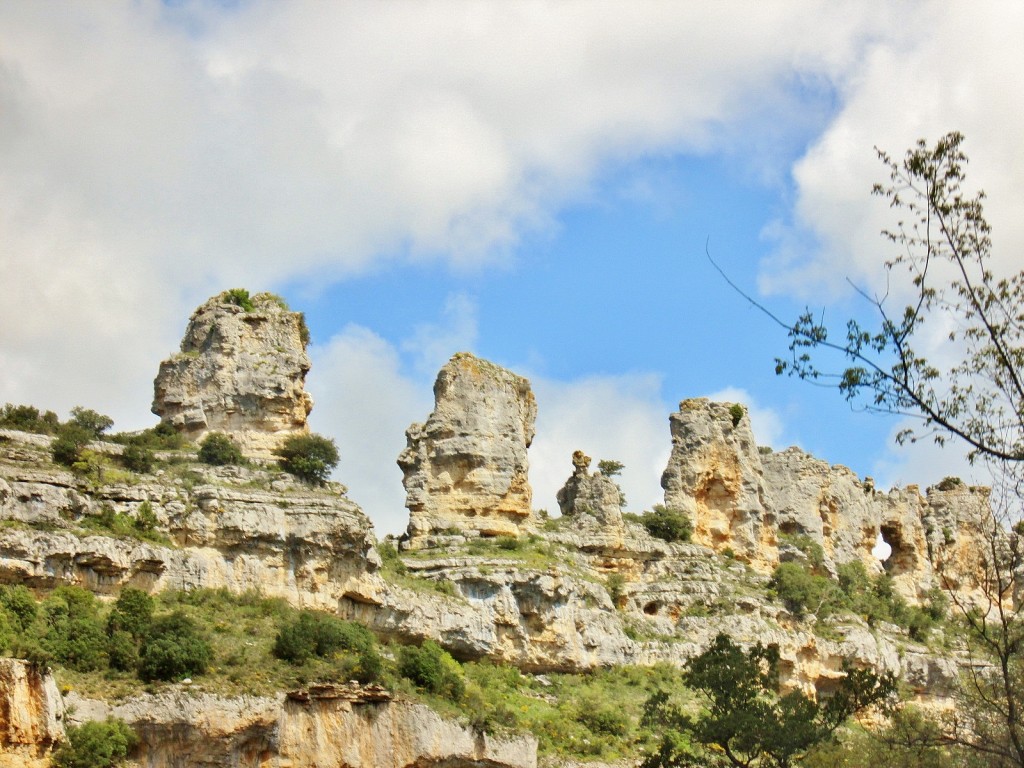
x: 714, y: 474
x: 466, y: 466
x: 238, y: 372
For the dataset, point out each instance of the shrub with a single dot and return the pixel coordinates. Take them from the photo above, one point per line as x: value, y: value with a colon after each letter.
x: 137, y: 458
x: 219, y: 450
x: 146, y: 520
x: 309, y: 457
x: 18, y: 602
x: 432, y: 669
x: 99, y: 744
x: 73, y: 634
x: 736, y: 412
x: 162, y: 437
x: 949, y: 483
x: 616, y: 586
x: 69, y: 444
x: 27, y: 418
x: 173, y: 650
x: 667, y: 524
x: 239, y: 297
x: 801, y: 591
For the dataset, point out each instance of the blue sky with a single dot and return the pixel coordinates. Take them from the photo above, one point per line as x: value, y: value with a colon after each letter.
x: 534, y: 182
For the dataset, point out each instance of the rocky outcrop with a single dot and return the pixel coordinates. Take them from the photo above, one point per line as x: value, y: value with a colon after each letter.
x: 31, y: 715
x: 714, y: 475
x: 593, y: 499
x: 239, y: 528
x: 240, y: 371
x: 328, y: 726
x: 466, y: 467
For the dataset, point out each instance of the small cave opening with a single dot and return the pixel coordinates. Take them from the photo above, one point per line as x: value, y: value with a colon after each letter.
x: 891, y: 536
x: 651, y: 609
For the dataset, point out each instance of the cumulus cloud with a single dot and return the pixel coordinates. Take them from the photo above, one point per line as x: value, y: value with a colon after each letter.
x: 152, y: 154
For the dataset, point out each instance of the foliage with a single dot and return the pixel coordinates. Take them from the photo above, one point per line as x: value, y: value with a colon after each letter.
x: 122, y: 525
x: 309, y: 457
x: 667, y: 524
x: 162, y: 437
x: 137, y: 458
x: 218, y: 449
x: 72, y: 633
x: 320, y: 634
x: 239, y: 297
x: 432, y: 669
x: 745, y: 722
x: 132, y: 613
x: 616, y: 586
x: 945, y: 250
x: 736, y: 412
x: 610, y: 467
x: 92, y: 422
x: 69, y: 444
x: 98, y: 744
x: 27, y: 418
x: 173, y: 649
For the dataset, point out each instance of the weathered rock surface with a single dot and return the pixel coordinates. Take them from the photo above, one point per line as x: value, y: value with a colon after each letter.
x: 31, y: 715
x: 466, y: 466
x: 310, y: 546
x: 592, y: 499
x: 329, y: 726
x: 238, y: 372
x: 714, y: 474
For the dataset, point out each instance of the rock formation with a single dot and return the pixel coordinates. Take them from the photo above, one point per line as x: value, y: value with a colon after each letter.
x: 714, y: 475
x: 31, y: 715
x: 591, y: 497
x: 240, y: 371
x: 466, y: 467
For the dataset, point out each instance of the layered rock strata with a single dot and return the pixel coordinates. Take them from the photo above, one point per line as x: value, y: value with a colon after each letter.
x: 466, y: 467
x: 240, y: 371
x: 31, y: 715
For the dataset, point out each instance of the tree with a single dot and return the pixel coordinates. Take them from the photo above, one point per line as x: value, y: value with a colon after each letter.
x: 92, y: 422
x: 173, y: 649
x: 745, y: 723
x: 309, y: 457
x: 98, y: 744
x: 944, y: 264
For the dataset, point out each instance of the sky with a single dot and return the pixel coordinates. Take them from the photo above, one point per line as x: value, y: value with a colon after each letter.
x: 539, y: 183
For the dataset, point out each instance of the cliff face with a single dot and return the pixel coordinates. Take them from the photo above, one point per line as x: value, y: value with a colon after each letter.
x: 31, y: 715
x: 327, y: 726
x: 282, y: 538
x: 466, y: 466
x: 240, y: 371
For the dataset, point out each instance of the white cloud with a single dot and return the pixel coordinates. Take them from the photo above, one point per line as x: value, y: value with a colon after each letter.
x: 432, y: 344
x: 607, y: 417
x: 363, y: 400
x: 151, y: 155
x: 925, y: 463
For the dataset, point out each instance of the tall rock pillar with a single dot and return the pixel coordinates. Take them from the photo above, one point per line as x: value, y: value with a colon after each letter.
x: 466, y: 467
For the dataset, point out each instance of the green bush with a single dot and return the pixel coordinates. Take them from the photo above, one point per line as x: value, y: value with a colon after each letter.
x: 736, y: 412
x: 26, y: 418
x: 239, y: 297
x: 432, y: 669
x: 802, y: 592
x: 173, y: 650
x: 137, y: 458
x: 610, y: 467
x: 219, y: 450
x: 68, y: 446
x: 309, y: 457
x: 96, y: 745
x: 19, y: 604
x: 132, y: 613
x: 73, y: 632
x: 162, y: 437
x: 667, y: 524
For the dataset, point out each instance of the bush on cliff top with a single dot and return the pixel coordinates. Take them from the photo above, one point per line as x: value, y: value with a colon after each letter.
x: 309, y: 457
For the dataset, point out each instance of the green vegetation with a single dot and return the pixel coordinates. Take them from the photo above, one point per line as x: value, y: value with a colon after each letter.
x: 239, y: 297
x: 219, y: 450
x: 667, y: 524
x: 610, y: 467
x: 137, y: 458
x: 122, y: 525
x: 743, y: 721
x: 27, y: 418
x: 309, y: 457
x: 736, y: 412
x: 432, y: 669
x: 162, y: 437
x: 100, y: 744
x: 315, y: 634
x: 173, y: 648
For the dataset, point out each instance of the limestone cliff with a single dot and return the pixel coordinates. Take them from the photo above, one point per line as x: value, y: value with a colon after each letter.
x: 240, y: 371
x: 31, y: 715
x: 714, y: 475
x: 466, y: 466
x: 324, y: 726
